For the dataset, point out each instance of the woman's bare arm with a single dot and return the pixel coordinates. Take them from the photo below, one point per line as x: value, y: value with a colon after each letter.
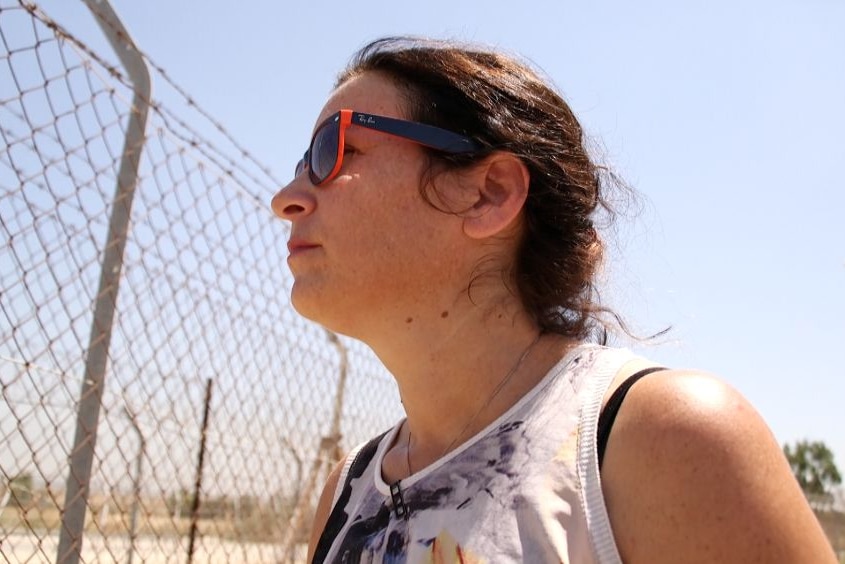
x: 693, y: 474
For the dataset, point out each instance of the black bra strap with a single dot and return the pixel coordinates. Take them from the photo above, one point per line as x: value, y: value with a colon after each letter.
x: 611, y: 409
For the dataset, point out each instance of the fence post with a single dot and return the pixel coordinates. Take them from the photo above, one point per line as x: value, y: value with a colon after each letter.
x: 288, y: 547
x: 327, y: 452
x: 81, y: 457
x: 341, y: 390
x: 195, y: 506
x: 136, y: 488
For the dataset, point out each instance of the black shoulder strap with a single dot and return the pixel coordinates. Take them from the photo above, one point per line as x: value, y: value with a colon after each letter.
x: 611, y: 409
x: 338, y: 517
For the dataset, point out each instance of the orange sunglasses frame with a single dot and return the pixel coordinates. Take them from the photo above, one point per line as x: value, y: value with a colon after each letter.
x: 421, y: 133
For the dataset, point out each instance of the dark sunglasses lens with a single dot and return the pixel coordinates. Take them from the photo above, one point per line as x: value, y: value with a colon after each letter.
x: 300, y: 166
x: 324, y: 151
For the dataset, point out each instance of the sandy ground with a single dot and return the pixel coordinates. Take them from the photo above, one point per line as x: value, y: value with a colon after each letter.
x: 31, y: 548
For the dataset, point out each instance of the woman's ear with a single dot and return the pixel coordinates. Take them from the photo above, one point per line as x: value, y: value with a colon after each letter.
x: 500, y: 185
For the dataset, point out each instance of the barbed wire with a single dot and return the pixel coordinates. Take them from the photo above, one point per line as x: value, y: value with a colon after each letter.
x: 202, y: 303
x: 114, y: 72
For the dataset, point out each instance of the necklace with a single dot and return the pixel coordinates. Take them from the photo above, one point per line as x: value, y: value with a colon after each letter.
x: 495, y: 393
x: 398, y: 502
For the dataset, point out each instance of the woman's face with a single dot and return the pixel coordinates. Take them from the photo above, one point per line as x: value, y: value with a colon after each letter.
x: 365, y: 249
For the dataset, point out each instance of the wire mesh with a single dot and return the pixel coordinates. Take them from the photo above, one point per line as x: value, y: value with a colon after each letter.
x: 202, y: 298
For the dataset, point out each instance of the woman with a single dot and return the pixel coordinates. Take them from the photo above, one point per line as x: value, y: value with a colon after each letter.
x: 444, y: 215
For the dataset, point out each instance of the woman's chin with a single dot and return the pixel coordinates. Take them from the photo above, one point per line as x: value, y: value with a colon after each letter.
x: 318, y: 307
x: 306, y: 301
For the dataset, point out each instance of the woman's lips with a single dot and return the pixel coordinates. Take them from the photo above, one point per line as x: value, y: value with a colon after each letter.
x: 297, y: 247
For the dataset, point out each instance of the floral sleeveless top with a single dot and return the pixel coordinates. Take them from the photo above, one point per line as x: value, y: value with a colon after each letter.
x: 524, y: 489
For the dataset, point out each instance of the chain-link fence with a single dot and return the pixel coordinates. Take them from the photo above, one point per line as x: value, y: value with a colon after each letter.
x: 217, y: 408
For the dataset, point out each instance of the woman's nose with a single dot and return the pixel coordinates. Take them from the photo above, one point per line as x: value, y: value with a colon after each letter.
x: 294, y: 200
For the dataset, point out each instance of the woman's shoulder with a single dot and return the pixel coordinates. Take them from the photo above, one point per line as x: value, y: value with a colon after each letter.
x: 693, y: 468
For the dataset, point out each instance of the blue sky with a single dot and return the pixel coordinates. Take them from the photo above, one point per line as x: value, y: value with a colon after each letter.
x: 729, y: 118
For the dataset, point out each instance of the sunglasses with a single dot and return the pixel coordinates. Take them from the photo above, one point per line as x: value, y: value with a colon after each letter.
x: 324, y: 156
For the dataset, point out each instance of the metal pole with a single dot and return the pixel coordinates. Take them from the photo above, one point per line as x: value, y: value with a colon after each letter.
x: 328, y: 451
x: 133, y: 515
x: 289, y: 546
x: 81, y: 457
x: 298, y: 460
x: 195, y: 507
x: 341, y: 390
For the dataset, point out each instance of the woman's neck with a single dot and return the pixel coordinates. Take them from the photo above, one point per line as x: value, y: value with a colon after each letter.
x: 457, y: 373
